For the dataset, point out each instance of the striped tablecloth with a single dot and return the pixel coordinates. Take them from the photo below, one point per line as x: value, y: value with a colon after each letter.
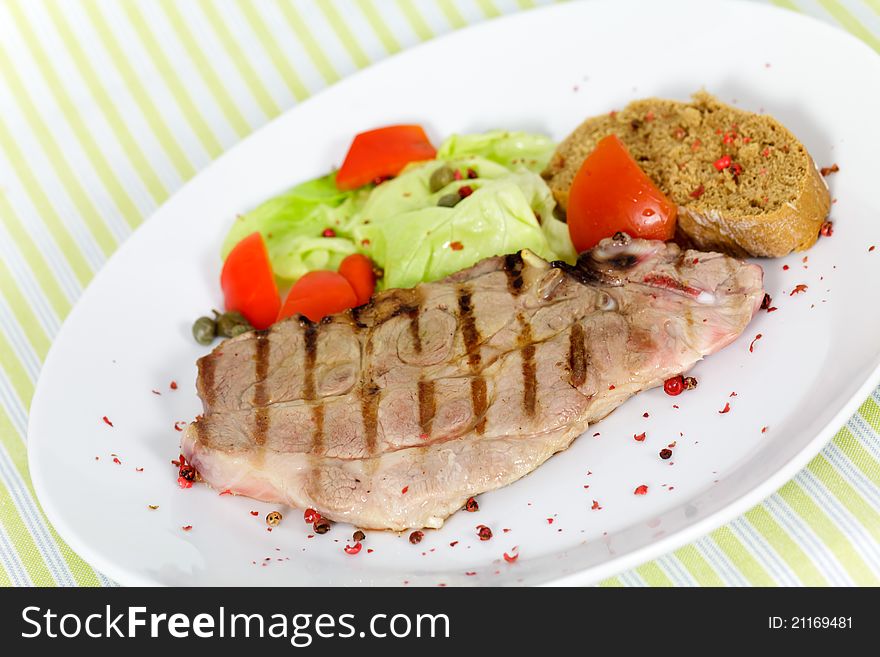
x: 108, y: 107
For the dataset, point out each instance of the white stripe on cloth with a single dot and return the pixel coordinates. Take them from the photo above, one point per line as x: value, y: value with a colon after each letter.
x: 12, y: 562
x: 856, y: 533
x: 713, y: 555
x: 34, y: 521
x: 23, y: 277
x: 763, y: 553
x: 803, y: 535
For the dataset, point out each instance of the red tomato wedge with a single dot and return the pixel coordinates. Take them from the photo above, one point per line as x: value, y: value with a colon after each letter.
x: 381, y: 153
x: 611, y: 193
x: 318, y: 294
x: 358, y: 271
x: 248, y: 284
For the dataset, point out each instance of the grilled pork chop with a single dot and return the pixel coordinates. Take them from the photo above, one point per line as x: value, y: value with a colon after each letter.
x: 393, y: 414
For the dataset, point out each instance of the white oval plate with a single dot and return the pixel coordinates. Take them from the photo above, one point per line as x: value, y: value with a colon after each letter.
x: 541, y: 70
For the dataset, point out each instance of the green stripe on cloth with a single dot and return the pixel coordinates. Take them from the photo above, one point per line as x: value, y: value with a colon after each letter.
x: 850, y: 22
x: 168, y: 72
x: 61, y: 166
x: 32, y: 255
x: 304, y: 34
x: 785, y: 546
x: 212, y: 80
x: 828, y: 533
x: 787, y: 4
x: 11, y: 518
x: 867, y: 516
x: 653, y: 575
x: 283, y: 66
x: 46, y: 211
x: 870, y: 411
x: 456, y: 20
x: 700, y: 569
x: 75, y: 120
x: 23, y: 313
x: 741, y: 558
x: 419, y: 26
x: 4, y: 577
x: 858, y: 455
x: 346, y: 36
x: 109, y: 109
x: 158, y: 127
x: 488, y: 8
x: 22, y: 541
x: 239, y: 59
x: 10, y: 365
x: 382, y: 32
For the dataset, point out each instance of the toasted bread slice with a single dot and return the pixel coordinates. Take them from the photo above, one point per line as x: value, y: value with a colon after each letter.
x: 770, y: 200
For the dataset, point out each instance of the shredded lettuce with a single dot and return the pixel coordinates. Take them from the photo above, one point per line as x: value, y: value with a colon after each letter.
x: 404, y: 231
x: 400, y: 225
x: 510, y: 149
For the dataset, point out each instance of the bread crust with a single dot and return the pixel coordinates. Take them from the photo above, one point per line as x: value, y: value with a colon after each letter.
x: 793, y: 226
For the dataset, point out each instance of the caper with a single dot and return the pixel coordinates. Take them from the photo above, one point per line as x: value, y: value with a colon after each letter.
x: 448, y: 200
x: 440, y: 178
x: 204, y: 330
x: 231, y: 324
x: 559, y: 213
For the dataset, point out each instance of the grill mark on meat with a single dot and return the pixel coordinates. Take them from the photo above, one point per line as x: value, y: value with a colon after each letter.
x: 261, y: 397
x: 206, y: 372
x: 369, y: 397
x: 310, y: 336
x: 318, y: 437
x: 513, y: 265
x: 592, y: 272
x: 529, y: 373
x: 414, y: 310
x: 261, y: 367
x: 577, y: 356
x: 414, y: 330
x: 427, y: 406
x: 626, y: 261
x: 583, y: 275
x: 479, y: 402
x: 471, y: 336
x: 469, y: 331
x: 397, y: 303
x: 356, y: 316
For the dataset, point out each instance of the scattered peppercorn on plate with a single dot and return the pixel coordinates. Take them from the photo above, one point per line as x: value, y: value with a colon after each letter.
x: 117, y: 393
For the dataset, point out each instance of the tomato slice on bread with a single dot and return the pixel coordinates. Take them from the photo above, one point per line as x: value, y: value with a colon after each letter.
x: 610, y: 193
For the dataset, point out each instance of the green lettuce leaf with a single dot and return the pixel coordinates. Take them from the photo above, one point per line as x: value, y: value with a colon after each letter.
x: 510, y: 149
x: 292, y: 225
x: 412, y: 239
x: 400, y: 225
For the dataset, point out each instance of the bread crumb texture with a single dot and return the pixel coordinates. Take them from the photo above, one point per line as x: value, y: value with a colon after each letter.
x: 744, y: 184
